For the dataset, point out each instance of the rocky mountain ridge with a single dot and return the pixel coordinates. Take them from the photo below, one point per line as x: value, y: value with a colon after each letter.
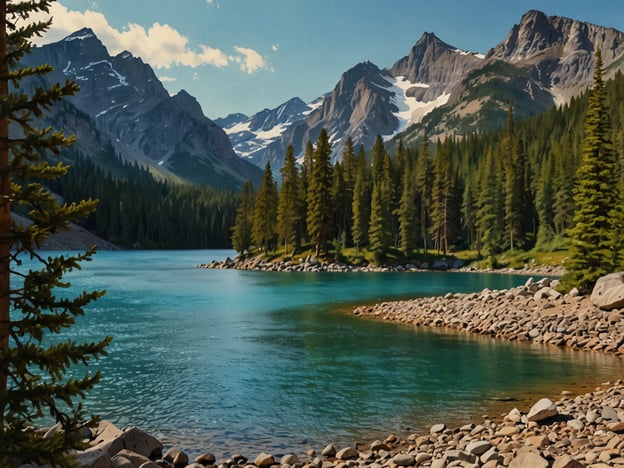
x: 440, y: 89
x: 123, y: 104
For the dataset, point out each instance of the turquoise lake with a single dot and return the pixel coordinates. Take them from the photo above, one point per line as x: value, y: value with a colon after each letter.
x: 234, y: 361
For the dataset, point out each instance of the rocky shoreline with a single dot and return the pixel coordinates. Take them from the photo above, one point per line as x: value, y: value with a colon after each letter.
x: 572, y: 432
x: 534, y: 312
x: 312, y: 265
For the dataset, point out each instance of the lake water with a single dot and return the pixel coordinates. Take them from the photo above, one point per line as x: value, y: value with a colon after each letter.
x: 235, y: 361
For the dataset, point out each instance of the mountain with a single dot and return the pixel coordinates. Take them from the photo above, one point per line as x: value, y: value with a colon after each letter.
x: 443, y: 90
x: 251, y: 135
x: 557, y: 52
x: 365, y: 102
x: 122, y: 103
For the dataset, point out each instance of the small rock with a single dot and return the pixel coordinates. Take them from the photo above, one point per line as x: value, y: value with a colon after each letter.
x: 180, y: 460
x: 329, y: 451
x: 404, y: 459
x: 119, y: 461
x: 528, y: 458
x: 478, y: 447
x: 94, y: 457
x: 205, y: 459
x: 566, y: 461
x: 436, y: 428
x: 289, y: 459
x: 379, y: 445
x: 576, y: 424
x: 541, y: 410
x: 347, y: 453
x: 264, y: 460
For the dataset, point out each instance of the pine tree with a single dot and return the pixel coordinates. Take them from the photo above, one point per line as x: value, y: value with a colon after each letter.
x: 380, y: 228
x: 265, y: 212
x: 306, y: 174
x: 596, y: 195
x: 361, y: 202
x: 378, y: 231
x: 490, y: 227
x: 35, y: 372
x: 564, y: 180
x: 544, y: 203
x: 423, y: 189
x: 289, y: 205
x: 515, y: 208
x: 408, y: 214
x: 342, y: 205
x: 443, y: 209
x: 241, y: 231
x: 469, y: 211
x: 320, y: 211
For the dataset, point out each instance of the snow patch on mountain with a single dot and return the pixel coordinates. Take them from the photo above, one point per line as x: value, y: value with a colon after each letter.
x: 465, y: 52
x: 86, y: 35
x: 411, y: 110
x: 247, y: 141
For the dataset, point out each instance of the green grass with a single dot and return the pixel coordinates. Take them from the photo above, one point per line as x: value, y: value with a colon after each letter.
x: 554, y: 255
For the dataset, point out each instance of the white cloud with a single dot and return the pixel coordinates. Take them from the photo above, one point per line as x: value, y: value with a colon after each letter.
x: 166, y: 79
x: 160, y: 45
x: 250, y: 60
x: 275, y: 47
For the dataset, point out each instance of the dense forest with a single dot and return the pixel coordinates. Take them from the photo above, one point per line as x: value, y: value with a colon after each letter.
x: 136, y: 210
x: 492, y: 192
x: 498, y: 191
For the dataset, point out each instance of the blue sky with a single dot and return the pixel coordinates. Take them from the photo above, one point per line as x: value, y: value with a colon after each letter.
x: 247, y: 55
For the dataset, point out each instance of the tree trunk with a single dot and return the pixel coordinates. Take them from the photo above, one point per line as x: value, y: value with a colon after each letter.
x: 5, y: 214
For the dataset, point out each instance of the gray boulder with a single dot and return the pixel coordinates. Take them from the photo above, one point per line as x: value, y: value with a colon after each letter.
x: 404, y: 459
x: 347, y: 453
x: 609, y: 292
x: 541, y: 410
x: 94, y: 458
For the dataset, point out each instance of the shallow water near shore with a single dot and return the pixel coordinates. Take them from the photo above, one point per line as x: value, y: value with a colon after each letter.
x: 239, y: 361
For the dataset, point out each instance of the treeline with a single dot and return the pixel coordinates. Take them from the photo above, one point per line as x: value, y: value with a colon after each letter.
x: 136, y: 210
x: 491, y: 192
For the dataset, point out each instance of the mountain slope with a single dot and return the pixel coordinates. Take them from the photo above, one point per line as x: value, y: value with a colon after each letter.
x: 365, y: 102
x: 543, y: 61
x: 133, y: 111
x: 558, y: 52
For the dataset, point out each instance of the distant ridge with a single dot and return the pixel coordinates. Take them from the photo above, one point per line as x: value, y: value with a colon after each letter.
x: 543, y: 61
x: 122, y: 103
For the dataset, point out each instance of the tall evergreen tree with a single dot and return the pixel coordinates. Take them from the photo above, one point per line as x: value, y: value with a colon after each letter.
x: 423, y: 189
x: 408, y: 214
x: 361, y: 202
x: 241, y: 231
x: 289, y: 203
x: 306, y: 175
x: 515, y: 208
x: 443, y: 207
x: 490, y: 227
x: 320, y: 211
x: 342, y: 206
x: 380, y: 228
x: 469, y: 210
x: 564, y: 179
x: 596, y: 195
x: 544, y: 201
x: 35, y: 371
x: 265, y: 212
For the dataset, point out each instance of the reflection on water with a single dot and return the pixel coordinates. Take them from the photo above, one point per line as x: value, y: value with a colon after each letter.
x: 232, y: 361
